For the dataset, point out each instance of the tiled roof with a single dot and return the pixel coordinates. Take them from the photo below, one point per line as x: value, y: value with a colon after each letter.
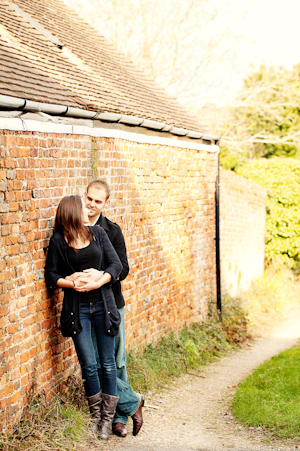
x: 87, y: 72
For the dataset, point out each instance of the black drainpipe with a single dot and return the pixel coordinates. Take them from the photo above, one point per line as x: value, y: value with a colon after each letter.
x: 218, y: 265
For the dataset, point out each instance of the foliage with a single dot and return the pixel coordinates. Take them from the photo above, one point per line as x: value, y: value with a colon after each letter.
x: 231, y: 160
x: 189, y: 348
x: 281, y: 177
x: 270, y: 397
x: 265, y: 120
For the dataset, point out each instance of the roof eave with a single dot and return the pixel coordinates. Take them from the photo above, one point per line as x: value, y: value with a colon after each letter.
x: 13, y: 103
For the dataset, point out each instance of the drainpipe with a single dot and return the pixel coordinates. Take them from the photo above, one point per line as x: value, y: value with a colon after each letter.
x: 218, y: 265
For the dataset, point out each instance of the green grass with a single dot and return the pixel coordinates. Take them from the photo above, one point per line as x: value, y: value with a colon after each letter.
x: 75, y: 420
x: 270, y: 397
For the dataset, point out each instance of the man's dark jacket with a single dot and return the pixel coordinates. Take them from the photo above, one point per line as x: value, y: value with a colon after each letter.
x: 116, y: 237
x: 58, y: 266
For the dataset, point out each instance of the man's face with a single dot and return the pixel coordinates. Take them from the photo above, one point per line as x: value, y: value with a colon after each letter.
x: 95, y: 200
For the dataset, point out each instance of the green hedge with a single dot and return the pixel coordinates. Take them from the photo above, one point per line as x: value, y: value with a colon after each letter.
x: 281, y: 177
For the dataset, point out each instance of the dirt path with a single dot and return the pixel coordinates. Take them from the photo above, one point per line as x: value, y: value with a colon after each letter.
x: 193, y: 414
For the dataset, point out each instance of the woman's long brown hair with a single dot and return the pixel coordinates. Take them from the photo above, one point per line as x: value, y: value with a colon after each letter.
x: 68, y: 219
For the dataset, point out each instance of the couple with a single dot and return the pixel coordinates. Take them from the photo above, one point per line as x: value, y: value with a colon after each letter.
x: 88, y: 262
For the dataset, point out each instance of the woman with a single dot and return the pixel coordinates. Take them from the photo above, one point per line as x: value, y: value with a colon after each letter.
x: 76, y: 248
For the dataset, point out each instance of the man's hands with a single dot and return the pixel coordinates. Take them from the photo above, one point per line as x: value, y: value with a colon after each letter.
x: 93, y: 273
x: 89, y: 279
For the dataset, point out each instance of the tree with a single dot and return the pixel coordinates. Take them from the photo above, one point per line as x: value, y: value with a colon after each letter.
x: 185, y: 46
x: 265, y: 121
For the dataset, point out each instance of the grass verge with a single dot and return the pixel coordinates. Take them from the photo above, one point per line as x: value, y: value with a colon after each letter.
x: 188, y: 349
x: 270, y: 397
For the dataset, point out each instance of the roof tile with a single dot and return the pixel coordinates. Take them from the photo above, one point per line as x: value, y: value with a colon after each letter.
x: 86, y: 73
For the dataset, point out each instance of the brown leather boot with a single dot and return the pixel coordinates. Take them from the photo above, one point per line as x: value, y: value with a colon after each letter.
x: 119, y: 429
x: 95, y: 411
x: 108, y: 409
x: 137, y: 418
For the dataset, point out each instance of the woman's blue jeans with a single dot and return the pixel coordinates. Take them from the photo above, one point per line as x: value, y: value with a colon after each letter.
x: 92, y: 314
x: 129, y: 400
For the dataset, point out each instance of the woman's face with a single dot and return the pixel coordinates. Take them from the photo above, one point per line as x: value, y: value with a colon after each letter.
x: 85, y: 213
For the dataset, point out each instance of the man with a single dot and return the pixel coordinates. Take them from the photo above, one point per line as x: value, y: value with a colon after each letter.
x: 130, y: 403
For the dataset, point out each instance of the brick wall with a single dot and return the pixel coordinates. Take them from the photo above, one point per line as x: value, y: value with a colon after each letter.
x: 242, y: 232
x: 163, y: 199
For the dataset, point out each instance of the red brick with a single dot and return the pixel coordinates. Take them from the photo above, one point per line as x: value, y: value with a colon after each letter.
x: 12, y: 328
x: 24, y: 357
x: 8, y: 389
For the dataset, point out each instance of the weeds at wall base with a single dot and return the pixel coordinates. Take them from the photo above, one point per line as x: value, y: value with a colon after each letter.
x: 189, y: 348
x: 62, y: 422
x: 53, y: 424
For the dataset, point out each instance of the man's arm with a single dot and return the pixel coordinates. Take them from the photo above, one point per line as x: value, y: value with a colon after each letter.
x: 118, y: 243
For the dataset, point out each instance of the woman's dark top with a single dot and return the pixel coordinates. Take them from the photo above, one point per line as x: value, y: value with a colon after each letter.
x: 84, y: 258
x: 58, y: 266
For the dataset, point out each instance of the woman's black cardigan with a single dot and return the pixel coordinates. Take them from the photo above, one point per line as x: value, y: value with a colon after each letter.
x: 58, y: 267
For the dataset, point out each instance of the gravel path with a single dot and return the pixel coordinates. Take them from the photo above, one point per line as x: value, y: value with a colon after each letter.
x: 194, y: 413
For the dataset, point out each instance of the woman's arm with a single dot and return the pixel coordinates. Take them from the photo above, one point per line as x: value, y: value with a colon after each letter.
x: 65, y: 283
x: 52, y: 268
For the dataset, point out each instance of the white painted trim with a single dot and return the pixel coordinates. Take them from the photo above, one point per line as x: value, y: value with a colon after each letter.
x: 18, y: 124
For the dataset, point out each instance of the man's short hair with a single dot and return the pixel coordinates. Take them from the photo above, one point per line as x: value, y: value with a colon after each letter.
x: 100, y: 184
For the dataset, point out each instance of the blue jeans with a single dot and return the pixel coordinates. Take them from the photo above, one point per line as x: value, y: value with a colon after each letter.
x: 129, y: 400
x: 92, y: 317
x: 120, y: 352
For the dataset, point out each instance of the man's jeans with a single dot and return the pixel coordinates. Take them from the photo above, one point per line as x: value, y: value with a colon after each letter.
x: 129, y: 401
x: 92, y: 317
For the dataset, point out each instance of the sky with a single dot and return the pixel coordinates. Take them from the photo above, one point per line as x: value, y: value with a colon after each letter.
x: 270, y: 29
x: 269, y: 35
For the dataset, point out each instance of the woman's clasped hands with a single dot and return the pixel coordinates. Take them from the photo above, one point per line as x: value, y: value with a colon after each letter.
x: 88, y: 279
